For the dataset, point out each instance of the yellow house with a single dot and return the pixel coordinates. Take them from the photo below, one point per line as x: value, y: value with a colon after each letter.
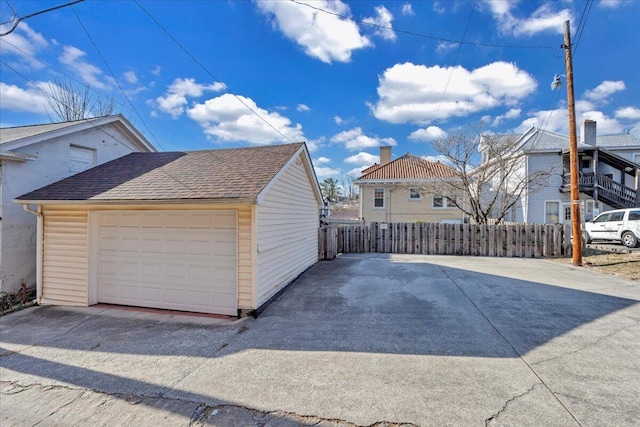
x: 214, y: 231
x: 398, y: 191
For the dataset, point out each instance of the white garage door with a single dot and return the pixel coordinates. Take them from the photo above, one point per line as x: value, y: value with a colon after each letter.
x: 178, y: 260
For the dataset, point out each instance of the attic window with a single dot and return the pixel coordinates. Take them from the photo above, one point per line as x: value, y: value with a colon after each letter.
x: 414, y: 194
x: 81, y: 158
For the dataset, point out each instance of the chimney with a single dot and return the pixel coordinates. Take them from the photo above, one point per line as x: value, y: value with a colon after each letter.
x: 588, y: 132
x: 385, y: 155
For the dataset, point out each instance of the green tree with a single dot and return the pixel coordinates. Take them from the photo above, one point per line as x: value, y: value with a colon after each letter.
x: 330, y: 189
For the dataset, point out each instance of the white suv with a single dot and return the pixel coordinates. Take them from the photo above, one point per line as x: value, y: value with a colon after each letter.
x: 622, y: 225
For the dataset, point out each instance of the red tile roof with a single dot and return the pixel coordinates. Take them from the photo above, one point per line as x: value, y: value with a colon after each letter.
x: 236, y: 173
x: 408, y: 167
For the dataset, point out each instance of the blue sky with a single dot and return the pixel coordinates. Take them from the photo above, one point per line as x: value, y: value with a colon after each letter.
x: 346, y: 77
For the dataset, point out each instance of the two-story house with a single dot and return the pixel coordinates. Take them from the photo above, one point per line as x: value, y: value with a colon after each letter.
x: 608, y: 174
x: 34, y: 156
x: 397, y: 191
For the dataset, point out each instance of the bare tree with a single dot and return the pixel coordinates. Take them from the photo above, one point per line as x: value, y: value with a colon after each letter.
x: 490, y: 176
x: 349, y: 189
x: 68, y: 102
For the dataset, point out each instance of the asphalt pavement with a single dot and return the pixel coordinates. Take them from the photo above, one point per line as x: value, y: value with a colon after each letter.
x: 366, y: 339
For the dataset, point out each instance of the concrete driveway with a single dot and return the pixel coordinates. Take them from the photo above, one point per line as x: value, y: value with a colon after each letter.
x: 362, y: 340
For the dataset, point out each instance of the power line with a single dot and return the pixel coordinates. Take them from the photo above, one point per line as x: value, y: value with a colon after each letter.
x: 581, y: 26
x: 115, y: 79
x: 455, y: 61
x: 206, y: 70
x: 31, y: 15
x: 413, y: 33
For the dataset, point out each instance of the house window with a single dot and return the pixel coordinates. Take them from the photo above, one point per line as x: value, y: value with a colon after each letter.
x: 552, y: 212
x: 440, y: 202
x: 378, y: 198
x: 567, y: 213
x: 414, y: 194
x: 585, y: 163
x: 636, y: 158
x: 81, y: 158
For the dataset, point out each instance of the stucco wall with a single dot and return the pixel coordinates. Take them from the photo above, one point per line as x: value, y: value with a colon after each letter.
x: 399, y: 208
x: 18, y: 230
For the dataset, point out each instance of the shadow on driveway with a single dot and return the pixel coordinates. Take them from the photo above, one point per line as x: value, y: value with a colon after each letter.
x: 365, y: 304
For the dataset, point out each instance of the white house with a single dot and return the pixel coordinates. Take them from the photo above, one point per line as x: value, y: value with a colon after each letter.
x: 34, y: 156
x: 608, y: 168
x: 214, y: 231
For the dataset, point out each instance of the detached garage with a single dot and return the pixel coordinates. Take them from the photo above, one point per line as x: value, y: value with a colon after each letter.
x: 216, y: 231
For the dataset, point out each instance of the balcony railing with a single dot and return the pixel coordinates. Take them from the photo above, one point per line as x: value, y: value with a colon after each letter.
x: 608, y: 189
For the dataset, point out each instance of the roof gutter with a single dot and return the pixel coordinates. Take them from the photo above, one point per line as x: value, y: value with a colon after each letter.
x: 39, y: 249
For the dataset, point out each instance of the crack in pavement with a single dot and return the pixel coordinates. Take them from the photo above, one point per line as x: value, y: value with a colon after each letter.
x: 585, y: 347
x: 509, y: 401
x: 202, y: 411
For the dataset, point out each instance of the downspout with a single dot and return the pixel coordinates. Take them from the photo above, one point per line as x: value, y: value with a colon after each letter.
x: 39, y: 241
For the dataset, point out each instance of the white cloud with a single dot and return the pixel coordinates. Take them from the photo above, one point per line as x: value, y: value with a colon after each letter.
x: 31, y: 100
x: 363, y: 159
x: 631, y: 113
x: 228, y: 119
x: 382, y: 23
x: 430, y: 133
x: 156, y: 70
x: 355, y: 173
x: 604, y: 90
x: 355, y: 139
x: 612, y: 3
x: 322, y: 166
x: 557, y: 120
x: 543, y: 19
x: 322, y: 35
x: 24, y: 43
x: 416, y: 93
x: 438, y: 8
x: 175, y: 99
x: 446, y: 46
x: 73, y: 58
x: 303, y: 108
x: 339, y: 120
x: 131, y: 77
x: 511, y: 114
x: 407, y: 10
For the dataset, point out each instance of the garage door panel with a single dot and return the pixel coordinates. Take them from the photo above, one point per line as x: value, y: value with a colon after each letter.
x: 175, y: 260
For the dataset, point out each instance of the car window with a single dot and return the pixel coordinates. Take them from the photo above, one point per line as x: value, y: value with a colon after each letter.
x: 602, y: 218
x: 634, y: 215
x: 617, y: 216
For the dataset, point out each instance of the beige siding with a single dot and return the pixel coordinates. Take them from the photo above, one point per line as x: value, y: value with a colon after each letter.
x: 287, y: 231
x: 399, y: 208
x: 65, y: 274
x: 65, y: 257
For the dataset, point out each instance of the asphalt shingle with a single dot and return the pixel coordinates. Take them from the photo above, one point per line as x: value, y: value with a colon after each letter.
x: 235, y: 173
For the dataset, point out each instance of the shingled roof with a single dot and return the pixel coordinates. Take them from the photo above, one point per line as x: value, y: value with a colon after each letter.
x: 236, y: 173
x: 408, y: 167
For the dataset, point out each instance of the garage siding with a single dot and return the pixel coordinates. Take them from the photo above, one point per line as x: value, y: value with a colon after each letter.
x: 287, y: 231
x: 65, y: 254
x: 65, y: 258
x: 245, y: 258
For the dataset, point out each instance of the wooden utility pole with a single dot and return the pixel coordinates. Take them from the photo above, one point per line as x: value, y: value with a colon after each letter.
x: 573, y: 153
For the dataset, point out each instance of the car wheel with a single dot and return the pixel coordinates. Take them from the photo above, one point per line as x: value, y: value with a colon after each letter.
x: 586, y: 237
x: 629, y: 239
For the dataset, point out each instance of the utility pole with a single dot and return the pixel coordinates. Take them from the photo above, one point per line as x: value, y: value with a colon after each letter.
x: 573, y: 153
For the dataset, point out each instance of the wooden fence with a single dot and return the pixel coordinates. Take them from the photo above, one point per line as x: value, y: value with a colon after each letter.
x: 520, y: 240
